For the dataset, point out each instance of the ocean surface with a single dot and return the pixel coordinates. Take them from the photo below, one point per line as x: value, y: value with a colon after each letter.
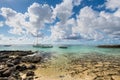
x: 71, y: 49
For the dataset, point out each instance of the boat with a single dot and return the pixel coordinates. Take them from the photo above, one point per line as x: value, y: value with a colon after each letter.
x: 42, y: 46
x: 63, y: 47
x: 37, y: 45
x: 6, y: 45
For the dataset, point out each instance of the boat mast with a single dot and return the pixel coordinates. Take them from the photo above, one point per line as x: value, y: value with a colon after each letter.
x: 37, y: 37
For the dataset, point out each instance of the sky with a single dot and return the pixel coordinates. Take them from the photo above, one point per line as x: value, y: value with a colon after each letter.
x: 60, y: 21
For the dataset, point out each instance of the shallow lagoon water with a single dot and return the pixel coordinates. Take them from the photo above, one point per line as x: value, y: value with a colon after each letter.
x: 71, y: 66
x: 71, y: 49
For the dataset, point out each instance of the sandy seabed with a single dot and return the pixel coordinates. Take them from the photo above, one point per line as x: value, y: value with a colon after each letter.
x: 92, y: 66
x: 71, y: 66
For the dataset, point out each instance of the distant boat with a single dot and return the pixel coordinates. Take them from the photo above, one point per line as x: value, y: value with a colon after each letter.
x: 63, y: 47
x: 6, y: 45
x: 42, y: 46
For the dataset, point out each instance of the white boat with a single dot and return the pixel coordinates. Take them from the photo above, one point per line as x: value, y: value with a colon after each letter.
x: 37, y: 45
x: 6, y: 45
x: 42, y: 46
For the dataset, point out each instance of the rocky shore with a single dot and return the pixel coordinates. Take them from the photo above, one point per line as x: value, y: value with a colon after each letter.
x: 28, y: 65
x: 14, y: 63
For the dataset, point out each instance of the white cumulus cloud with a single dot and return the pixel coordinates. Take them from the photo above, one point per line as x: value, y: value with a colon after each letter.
x: 89, y: 24
x: 92, y: 24
x: 113, y: 4
x: 30, y: 22
x: 77, y: 2
x: 1, y: 23
x: 63, y: 10
x: 13, y: 20
x: 61, y: 31
x: 38, y: 15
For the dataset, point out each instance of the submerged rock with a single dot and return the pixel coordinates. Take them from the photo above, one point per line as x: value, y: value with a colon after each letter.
x: 16, y: 61
x: 24, y: 53
x: 4, y: 58
x: 21, y: 68
x: 8, y: 72
x: 2, y: 71
x: 32, y: 59
x: 30, y: 73
x: 29, y: 78
x: 4, y: 78
x: 10, y: 64
x: 31, y: 67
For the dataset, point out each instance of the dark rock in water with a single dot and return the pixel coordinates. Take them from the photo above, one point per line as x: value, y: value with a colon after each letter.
x: 18, y: 67
x: 3, y: 58
x: 10, y: 64
x: 18, y: 57
x: 24, y: 53
x: 15, y: 76
x: 4, y: 78
x: 12, y: 78
x: 30, y: 73
x: 16, y: 61
x: 15, y: 73
x: 21, y: 68
x: 36, y: 77
x: 29, y: 78
x: 61, y: 76
x: 32, y: 66
x: 19, y: 53
x: 2, y: 71
x: 8, y: 72
x: 32, y: 59
x: 46, y: 55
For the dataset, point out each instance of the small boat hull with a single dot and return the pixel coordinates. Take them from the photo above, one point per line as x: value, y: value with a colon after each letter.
x: 63, y: 47
x: 42, y: 46
x: 6, y: 45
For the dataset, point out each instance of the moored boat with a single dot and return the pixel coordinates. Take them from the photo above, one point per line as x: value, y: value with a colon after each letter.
x: 63, y: 47
x: 6, y: 45
x: 42, y: 46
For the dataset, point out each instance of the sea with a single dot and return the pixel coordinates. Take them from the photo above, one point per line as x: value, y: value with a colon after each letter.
x: 80, y: 49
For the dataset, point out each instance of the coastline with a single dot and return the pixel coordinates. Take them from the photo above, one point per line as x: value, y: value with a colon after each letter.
x: 109, y: 46
x: 28, y: 65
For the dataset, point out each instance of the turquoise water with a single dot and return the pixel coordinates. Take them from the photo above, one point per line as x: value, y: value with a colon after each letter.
x: 70, y: 49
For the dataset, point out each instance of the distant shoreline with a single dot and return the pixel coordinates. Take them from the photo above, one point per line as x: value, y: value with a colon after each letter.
x: 109, y: 46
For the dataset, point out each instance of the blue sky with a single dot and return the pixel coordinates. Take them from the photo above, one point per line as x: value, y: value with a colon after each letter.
x: 67, y: 21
